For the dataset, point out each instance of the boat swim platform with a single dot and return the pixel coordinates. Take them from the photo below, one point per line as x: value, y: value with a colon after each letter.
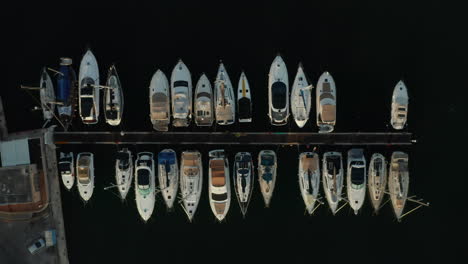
x: 235, y: 138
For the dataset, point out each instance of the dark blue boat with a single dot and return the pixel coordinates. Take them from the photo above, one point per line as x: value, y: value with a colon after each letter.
x: 65, y: 94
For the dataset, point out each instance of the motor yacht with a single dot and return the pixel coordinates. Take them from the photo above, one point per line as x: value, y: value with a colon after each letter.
x: 66, y: 166
x: 85, y: 174
x: 124, y: 171
x: 400, y: 102
x: 203, y: 108
x: 326, y: 103
x: 113, y: 98
x: 145, y: 188
x: 332, y: 178
x: 356, y: 179
x: 219, y: 188
x: 181, y: 93
x: 160, y: 104
x: 191, y: 181
x: 243, y: 174
x: 278, y: 93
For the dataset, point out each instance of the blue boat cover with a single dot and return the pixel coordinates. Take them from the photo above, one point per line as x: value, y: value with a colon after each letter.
x: 64, y: 82
x: 166, y: 157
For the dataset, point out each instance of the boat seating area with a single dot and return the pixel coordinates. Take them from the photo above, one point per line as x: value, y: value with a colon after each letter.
x: 217, y: 172
x: 159, y: 106
x: 309, y: 163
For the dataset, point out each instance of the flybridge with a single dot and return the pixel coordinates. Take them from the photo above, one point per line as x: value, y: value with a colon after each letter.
x: 235, y: 138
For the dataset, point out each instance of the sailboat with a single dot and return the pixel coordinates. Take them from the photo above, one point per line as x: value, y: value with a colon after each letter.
x: 398, y: 182
x: 113, y: 98
x: 203, y: 107
x: 356, y: 179
x: 160, y: 110
x: 66, y: 91
x: 267, y: 174
x: 66, y: 167
x: 219, y: 188
x: 145, y: 188
x: 124, y: 171
x: 244, y: 100
x: 191, y: 181
x: 181, y: 93
x: 88, y: 91
x: 168, y: 175
x: 400, y: 102
x: 47, y: 96
x: 377, y: 179
x: 85, y: 174
x: 332, y: 174
x: 301, y: 98
x: 243, y: 174
x: 309, y: 179
x: 225, y: 108
x: 326, y: 103
x: 278, y: 93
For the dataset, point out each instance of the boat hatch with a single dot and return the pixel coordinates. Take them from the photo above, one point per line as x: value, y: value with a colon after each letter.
x: 180, y: 84
x: 203, y: 94
x: 143, y: 179
x: 267, y: 160
x: 357, y: 175
x: 217, y: 173
x: 64, y: 167
x: 377, y: 167
x: 244, y: 108
x: 87, y: 89
x: 219, y: 197
x: 328, y: 113
x: 278, y: 90
x: 333, y: 164
x: 87, y: 105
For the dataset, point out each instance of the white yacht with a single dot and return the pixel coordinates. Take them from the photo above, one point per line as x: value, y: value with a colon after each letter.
x: 203, y: 108
x: 47, y: 96
x: 181, y: 93
x: 400, y: 102
x: 326, y: 103
x: 219, y: 188
x: 168, y: 176
x: 278, y: 93
x: 244, y: 100
x: 225, y: 107
x: 88, y: 91
x: 85, y: 174
x: 160, y: 104
x: 377, y: 179
x: 398, y: 182
x: 332, y: 171
x: 356, y: 179
x: 124, y: 171
x: 309, y: 179
x: 67, y: 169
x: 113, y: 98
x: 301, y: 95
x: 191, y: 181
x: 145, y: 187
x: 243, y: 174
x: 267, y: 174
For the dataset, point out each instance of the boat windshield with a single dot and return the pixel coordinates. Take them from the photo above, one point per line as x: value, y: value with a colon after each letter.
x: 64, y: 167
x: 87, y: 105
x: 180, y: 84
x: 357, y: 176
x: 123, y: 159
x: 333, y: 164
x: 278, y: 93
x: 267, y: 160
x: 243, y: 171
x: 219, y: 197
x: 143, y: 177
x: 83, y: 175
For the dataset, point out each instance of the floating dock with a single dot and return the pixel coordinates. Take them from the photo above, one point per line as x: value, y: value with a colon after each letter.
x: 234, y: 138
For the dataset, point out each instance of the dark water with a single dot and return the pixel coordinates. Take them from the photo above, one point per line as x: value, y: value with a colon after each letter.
x: 367, y: 48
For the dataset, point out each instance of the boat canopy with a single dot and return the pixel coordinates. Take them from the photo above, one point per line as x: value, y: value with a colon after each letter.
x: 267, y: 160
x: 87, y: 104
x: 143, y: 178
x: 64, y: 83
x: 357, y: 176
x: 166, y: 157
x: 244, y: 108
x: 333, y: 164
x: 123, y: 158
x: 217, y: 173
x: 278, y: 93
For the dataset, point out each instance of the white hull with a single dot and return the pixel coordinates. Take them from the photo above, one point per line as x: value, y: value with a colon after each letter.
x: 278, y: 93
x: 301, y: 98
x: 332, y: 178
x: 219, y: 188
x: 243, y: 179
x: 400, y: 102
x: 145, y: 193
x: 191, y: 181
x: 68, y: 176
x: 244, y: 100
x: 47, y: 95
x: 267, y: 174
x: 85, y: 187
x: 160, y: 110
x: 168, y: 175
x: 124, y: 172
x: 89, y: 78
x: 181, y: 95
x: 356, y: 186
x: 377, y: 179
x: 326, y: 103
x: 309, y: 179
x: 225, y: 107
x: 113, y: 99
x: 203, y: 108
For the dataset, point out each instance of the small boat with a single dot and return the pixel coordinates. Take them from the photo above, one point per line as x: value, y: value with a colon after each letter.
x: 160, y: 105
x: 309, y: 179
x: 377, y: 179
x: 398, y: 182
x: 244, y: 100
x: 145, y: 188
x: 267, y: 174
x: 203, y: 107
x: 301, y: 98
x: 332, y: 171
x: 124, y: 171
x: 168, y: 175
x: 85, y: 174
x: 66, y: 91
x: 356, y: 179
x: 326, y: 103
x: 243, y: 179
x: 219, y: 188
x: 89, y: 89
x: 225, y: 108
x: 400, y: 102
x: 67, y: 169
x: 278, y: 93
x: 47, y: 96
x: 181, y: 92
x: 191, y: 181
x: 113, y: 98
